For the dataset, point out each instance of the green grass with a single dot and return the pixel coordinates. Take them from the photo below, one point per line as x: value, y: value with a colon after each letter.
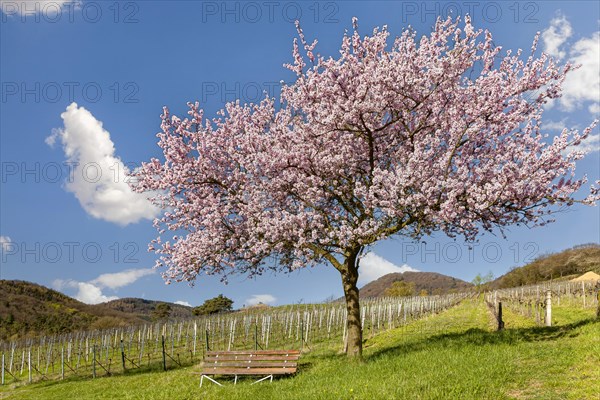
x: 453, y: 355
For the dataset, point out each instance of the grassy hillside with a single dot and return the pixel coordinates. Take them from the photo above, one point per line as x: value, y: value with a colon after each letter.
x: 564, y: 265
x: 28, y: 309
x: 432, y: 282
x: 455, y: 354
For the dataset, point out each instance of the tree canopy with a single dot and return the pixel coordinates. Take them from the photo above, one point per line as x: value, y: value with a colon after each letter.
x: 400, y: 289
x: 161, y: 312
x: 215, y: 305
x: 441, y: 133
x: 481, y: 281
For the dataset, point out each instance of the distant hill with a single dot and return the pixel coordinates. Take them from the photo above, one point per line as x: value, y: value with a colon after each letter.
x: 433, y: 282
x: 565, y: 265
x: 29, y: 309
x: 143, y: 308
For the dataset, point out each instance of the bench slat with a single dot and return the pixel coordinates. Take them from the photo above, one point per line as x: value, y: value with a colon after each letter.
x: 260, y: 364
x: 251, y: 358
x: 249, y: 352
x: 249, y: 371
x: 250, y: 362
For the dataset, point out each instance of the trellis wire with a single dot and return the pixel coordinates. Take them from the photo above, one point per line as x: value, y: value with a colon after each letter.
x: 297, y: 326
x: 529, y: 301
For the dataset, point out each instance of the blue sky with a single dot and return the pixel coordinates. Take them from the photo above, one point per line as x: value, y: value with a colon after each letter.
x: 122, y: 62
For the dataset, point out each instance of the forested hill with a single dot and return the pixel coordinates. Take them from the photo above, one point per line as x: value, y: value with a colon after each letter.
x: 565, y: 265
x: 29, y: 309
x: 144, y: 308
x: 432, y: 282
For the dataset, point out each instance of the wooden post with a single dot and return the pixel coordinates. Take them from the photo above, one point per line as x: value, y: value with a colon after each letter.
x: 500, y: 321
x: 2, y: 368
x: 94, y: 361
x: 29, y: 364
x: 164, y: 357
x: 123, y: 355
x: 598, y: 299
x: 12, y: 356
x: 207, y: 344
x: 62, y: 362
x: 302, y: 333
x: 548, y: 319
x: 141, y: 340
x: 255, y: 337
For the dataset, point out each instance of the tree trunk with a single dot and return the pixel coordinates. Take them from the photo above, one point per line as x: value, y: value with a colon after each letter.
x: 353, y: 323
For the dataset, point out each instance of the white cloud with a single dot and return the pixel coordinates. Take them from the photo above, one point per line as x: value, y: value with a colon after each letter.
x: 556, y: 35
x: 5, y: 243
x: 555, y: 125
x: 590, y: 144
x: 373, y: 267
x: 183, y: 303
x: 51, y: 8
x: 91, y: 292
x: 123, y: 278
x: 86, y: 292
x: 260, y: 298
x: 99, y: 178
x: 583, y: 84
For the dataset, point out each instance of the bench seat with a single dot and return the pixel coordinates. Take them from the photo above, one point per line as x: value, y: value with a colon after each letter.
x: 249, y: 362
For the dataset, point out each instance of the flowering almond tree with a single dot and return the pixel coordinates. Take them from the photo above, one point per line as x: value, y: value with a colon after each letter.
x: 436, y: 134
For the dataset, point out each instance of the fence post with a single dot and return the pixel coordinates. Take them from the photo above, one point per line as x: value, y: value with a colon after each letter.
x: 207, y: 344
x: 29, y: 364
x: 548, y: 319
x: 163, y: 353
x: 123, y: 355
x: 302, y: 333
x: 94, y: 361
x: 255, y: 337
x: 195, y: 335
x: 500, y: 321
x: 62, y: 362
x: 2, y: 368
x: 598, y: 299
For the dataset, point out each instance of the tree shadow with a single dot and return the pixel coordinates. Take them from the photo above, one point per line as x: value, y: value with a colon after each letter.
x: 482, y: 337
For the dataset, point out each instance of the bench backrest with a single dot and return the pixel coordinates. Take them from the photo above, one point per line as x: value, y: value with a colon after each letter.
x: 251, y: 361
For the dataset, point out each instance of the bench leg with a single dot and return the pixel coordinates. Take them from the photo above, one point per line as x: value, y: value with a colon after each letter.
x: 262, y: 379
x: 209, y: 378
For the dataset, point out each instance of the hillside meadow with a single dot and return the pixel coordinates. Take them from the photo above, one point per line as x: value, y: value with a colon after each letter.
x: 455, y: 354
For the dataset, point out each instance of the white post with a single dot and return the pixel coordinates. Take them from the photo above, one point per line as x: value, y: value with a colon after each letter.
x: 29, y: 364
x: 195, y: 335
x: 3, y: 368
x: 548, y: 308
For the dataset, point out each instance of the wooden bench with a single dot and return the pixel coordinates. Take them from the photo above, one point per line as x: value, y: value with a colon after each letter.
x: 249, y: 362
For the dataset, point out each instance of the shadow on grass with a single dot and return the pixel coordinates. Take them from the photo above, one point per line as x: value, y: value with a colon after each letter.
x: 481, y: 337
